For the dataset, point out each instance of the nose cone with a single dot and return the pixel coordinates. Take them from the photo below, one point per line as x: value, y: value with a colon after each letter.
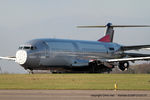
x: 21, y: 56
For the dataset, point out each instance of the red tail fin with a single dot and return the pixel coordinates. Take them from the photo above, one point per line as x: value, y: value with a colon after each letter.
x: 109, y: 34
x: 105, y: 39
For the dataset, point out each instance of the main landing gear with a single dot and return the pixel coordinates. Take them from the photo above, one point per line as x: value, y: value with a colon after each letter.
x: 97, y: 67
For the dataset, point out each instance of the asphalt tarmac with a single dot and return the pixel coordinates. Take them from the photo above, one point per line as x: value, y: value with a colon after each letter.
x: 73, y: 95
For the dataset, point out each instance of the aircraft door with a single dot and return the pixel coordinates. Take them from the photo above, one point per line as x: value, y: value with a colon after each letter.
x: 44, y: 57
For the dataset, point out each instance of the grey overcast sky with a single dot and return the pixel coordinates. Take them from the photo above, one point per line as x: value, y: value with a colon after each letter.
x: 23, y: 20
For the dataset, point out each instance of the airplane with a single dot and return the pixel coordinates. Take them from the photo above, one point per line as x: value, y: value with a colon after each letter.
x: 64, y: 55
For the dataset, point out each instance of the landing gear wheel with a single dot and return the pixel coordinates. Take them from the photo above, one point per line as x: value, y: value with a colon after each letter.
x: 123, y: 66
x: 30, y: 71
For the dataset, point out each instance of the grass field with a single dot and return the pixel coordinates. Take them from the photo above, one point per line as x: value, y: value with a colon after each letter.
x: 75, y: 81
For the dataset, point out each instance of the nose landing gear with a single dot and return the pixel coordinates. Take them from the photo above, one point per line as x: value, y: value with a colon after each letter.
x: 30, y: 71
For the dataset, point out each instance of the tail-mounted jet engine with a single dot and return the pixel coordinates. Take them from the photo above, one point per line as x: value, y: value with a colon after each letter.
x: 123, y: 65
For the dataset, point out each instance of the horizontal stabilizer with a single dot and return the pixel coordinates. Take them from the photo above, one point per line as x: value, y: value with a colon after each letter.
x: 110, y: 31
x: 91, y: 26
x: 103, y: 26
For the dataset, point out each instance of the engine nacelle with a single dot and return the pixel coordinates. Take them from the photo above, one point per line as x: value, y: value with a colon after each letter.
x: 123, y: 65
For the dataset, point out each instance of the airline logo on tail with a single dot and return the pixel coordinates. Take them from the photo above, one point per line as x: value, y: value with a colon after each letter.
x: 105, y: 39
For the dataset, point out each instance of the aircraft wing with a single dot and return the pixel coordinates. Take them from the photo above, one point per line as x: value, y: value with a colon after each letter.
x: 136, y: 55
x: 124, y: 59
x: 135, y: 47
x: 8, y: 58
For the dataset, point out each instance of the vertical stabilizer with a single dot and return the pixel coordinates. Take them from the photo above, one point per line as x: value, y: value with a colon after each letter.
x: 108, y: 35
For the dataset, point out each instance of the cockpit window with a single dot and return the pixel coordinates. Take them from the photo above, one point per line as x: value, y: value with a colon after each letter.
x: 28, y: 47
x: 20, y: 47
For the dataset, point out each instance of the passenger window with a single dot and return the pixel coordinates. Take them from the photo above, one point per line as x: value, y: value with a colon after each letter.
x: 27, y: 47
x: 61, y: 46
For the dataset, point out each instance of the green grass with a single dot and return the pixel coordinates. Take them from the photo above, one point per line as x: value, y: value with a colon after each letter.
x: 75, y: 81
